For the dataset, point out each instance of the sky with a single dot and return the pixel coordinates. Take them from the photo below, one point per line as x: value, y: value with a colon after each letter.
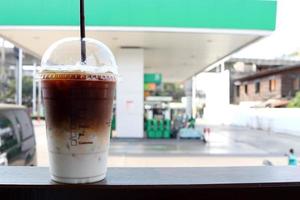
x: 284, y: 40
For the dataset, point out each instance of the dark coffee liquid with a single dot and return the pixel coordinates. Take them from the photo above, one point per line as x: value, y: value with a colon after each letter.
x: 78, y: 106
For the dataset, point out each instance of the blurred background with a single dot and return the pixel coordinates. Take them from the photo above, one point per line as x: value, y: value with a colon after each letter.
x: 202, y: 83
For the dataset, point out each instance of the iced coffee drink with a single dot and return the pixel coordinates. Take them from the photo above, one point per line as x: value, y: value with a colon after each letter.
x: 78, y: 112
x: 78, y: 103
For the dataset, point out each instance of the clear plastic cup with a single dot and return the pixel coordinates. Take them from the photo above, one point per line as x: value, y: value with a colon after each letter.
x: 78, y: 99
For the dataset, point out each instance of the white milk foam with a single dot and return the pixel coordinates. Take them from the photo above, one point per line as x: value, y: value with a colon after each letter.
x: 78, y: 164
x: 81, y: 168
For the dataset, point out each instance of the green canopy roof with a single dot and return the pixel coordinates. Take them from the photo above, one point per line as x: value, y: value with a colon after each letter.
x: 216, y: 14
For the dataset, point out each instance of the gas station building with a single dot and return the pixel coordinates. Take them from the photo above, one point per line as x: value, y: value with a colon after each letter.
x: 175, y: 38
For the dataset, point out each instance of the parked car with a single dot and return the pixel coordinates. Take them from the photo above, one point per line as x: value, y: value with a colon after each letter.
x: 17, y: 140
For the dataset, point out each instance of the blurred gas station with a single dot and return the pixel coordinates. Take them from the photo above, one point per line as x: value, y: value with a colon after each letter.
x: 154, y: 42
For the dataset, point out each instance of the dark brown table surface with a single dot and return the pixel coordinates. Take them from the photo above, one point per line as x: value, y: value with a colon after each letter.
x: 168, y: 183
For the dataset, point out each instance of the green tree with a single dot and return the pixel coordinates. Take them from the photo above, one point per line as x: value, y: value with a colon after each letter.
x: 27, y: 90
x: 295, y: 102
x: 8, y: 90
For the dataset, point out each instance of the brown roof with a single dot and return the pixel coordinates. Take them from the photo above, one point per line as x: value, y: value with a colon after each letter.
x: 268, y: 73
x: 267, y: 62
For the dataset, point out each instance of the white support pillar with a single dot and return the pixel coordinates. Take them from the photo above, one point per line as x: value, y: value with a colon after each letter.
x: 19, y: 77
x: 130, y: 94
x: 189, y: 97
x: 222, y: 66
x: 39, y: 105
x: 2, y: 62
x: 34, y: 90
x: 194, y: 106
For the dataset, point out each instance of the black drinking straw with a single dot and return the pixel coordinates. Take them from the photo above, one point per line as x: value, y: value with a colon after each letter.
x: 82, y: 32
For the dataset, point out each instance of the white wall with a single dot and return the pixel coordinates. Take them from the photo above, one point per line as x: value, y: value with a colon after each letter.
x: 130, y: 94
x: 216, y: 88
x: 281, y: 120
x: 219, y: 111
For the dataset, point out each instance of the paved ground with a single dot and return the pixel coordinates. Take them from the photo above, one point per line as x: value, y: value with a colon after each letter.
x: 222, y: 141
x: 227, y: 146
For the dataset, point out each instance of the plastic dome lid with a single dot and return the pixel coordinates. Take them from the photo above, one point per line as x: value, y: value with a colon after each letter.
x: 65, y: 56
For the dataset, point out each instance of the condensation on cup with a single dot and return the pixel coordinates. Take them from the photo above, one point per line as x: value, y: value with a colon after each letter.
x: 78, y: 99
